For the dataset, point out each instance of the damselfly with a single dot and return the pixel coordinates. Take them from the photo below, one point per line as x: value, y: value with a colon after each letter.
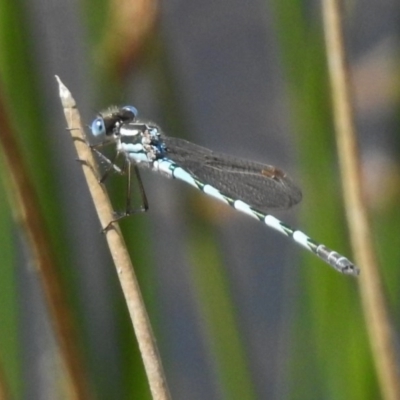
x: 247, y: 186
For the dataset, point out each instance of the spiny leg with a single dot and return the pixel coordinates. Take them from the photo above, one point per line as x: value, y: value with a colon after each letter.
x: 111, y: 164
x: 128, y: 209
x: 145, y: 203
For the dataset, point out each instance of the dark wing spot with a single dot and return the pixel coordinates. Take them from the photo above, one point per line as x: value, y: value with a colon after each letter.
x: 273, y: 173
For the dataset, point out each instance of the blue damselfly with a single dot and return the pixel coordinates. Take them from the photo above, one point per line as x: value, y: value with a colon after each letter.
x: 250, y: 187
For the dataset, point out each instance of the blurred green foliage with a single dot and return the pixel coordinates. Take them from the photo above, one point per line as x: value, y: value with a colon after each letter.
x: 329, y: 355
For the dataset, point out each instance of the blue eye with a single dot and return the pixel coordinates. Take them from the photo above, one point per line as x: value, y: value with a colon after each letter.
x: 132, y: 110
x: 98, y: 127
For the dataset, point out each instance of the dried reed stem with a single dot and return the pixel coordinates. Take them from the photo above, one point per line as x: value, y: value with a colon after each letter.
x: 119, y: 253
x: 374, y: 305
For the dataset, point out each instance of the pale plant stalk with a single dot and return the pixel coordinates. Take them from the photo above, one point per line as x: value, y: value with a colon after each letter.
x: 376, y: 313
x: 119, y: 252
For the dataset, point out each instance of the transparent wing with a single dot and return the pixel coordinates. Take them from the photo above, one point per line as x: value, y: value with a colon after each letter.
x: 261, y: 186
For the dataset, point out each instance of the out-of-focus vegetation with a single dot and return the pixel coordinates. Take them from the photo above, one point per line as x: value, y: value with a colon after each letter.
x: 227, y: 328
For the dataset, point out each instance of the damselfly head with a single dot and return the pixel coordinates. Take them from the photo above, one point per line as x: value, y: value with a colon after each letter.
x: 107, y: 124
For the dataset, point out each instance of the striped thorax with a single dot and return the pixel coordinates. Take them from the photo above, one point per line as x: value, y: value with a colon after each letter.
x: 139, y: 142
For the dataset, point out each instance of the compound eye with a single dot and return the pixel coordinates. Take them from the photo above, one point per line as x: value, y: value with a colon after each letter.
x: 98, y: 127
x: 130, y: 112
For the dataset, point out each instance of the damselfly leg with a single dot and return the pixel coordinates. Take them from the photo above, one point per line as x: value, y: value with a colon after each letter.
x: 111, y: 164
x: 126, y: 169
